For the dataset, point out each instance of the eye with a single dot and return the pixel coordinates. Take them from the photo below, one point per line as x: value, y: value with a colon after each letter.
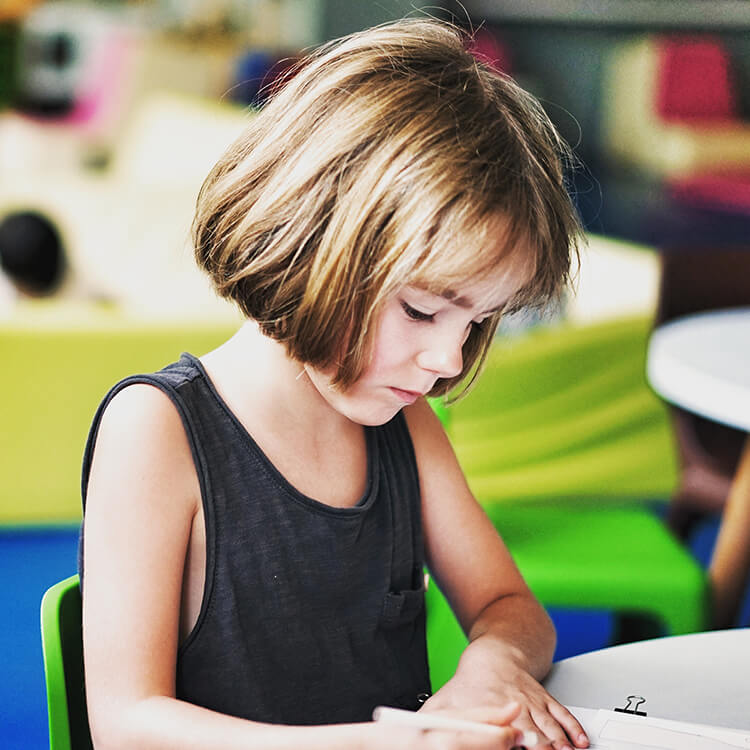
x: 415, y: 314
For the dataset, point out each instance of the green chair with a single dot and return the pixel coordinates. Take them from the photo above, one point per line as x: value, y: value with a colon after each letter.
x: 562, y: 441
x: 62, y: 649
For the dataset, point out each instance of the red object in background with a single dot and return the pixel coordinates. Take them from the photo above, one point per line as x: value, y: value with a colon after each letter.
x: 695, y: 87
x: 694, y: 83
x: 487, y: 48
x: 728, y: 192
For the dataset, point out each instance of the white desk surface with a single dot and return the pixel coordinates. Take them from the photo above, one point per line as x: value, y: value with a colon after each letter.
x: 702, y: 678
x: 702, y: 363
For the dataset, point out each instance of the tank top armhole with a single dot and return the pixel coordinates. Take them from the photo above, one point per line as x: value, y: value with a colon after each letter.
x: 200, y: 468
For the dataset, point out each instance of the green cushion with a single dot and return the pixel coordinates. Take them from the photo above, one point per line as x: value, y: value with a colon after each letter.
x: 584, y: 556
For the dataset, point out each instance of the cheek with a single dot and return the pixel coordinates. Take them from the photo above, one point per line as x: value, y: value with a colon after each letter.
x: 393, y: 342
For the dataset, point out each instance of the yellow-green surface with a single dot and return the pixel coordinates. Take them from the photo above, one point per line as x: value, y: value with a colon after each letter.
x: 54, y: 374
x: 558, y: 412
x: 566, y: 411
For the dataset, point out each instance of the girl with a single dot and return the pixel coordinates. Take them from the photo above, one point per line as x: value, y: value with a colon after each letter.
x: 258, y: 520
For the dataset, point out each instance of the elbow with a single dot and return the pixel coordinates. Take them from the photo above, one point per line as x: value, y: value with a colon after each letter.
x: 550, y: 638
x: 109, y: 730
x: 116, y: 725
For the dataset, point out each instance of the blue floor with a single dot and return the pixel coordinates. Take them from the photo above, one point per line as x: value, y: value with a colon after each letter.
x: 32, y: 560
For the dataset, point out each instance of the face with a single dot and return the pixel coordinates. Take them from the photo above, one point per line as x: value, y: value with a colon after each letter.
x: 418, y: 340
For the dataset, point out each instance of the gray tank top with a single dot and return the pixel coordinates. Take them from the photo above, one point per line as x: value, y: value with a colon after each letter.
x: 311, y: 614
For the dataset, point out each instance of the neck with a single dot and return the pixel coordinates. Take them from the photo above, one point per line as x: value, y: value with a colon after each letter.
x: 257, y: 378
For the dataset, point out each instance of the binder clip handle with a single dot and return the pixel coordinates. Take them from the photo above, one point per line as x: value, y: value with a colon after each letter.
x: 634, y: 702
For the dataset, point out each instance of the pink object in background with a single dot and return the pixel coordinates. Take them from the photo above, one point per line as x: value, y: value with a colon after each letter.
x: 729, y: 192
x: 101, y: 88
x: 694, y: 81
x: 491, y: 51
x: 695, y: 87
x: 76, y: 64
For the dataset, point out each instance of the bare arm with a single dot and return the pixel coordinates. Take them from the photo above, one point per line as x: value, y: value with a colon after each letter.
x: 143, y: 497
x: 511, y: 638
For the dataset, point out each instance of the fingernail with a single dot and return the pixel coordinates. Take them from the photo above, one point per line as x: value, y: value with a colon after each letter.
x: 583, y: 740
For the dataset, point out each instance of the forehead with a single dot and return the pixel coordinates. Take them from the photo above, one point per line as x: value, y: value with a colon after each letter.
x: 484, y: 254
x: 486, y: 289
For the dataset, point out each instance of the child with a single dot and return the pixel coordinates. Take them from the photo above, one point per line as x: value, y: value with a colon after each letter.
x: 257, y: 520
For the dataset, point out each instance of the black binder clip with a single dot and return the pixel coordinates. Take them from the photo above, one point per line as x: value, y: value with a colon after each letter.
x: 634, y: 701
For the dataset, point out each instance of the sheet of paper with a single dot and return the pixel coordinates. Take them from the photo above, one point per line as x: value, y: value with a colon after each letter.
x: 611, y: 730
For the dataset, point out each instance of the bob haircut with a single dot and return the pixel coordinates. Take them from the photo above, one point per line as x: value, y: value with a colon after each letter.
x: 385, y: 158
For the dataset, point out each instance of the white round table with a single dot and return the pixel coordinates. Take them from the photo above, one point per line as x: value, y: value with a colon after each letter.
x: 701, y: 678
x: 701, y: 362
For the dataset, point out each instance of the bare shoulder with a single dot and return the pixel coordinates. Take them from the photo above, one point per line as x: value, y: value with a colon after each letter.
x: 141, y: 440
x: 419, y: 414
x: 140, y: 406
x: 432, y: 447
x: 423, y: 423
x: 441, y: 479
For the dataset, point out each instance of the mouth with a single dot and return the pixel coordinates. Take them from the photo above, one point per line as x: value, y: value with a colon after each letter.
x: 408, y: 397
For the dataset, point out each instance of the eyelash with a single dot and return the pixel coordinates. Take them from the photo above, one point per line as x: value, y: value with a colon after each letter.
x: 415, y: 314
x: 423, y: 317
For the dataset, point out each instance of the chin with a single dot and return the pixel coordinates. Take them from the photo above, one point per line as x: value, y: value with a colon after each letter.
x: 372, y: 417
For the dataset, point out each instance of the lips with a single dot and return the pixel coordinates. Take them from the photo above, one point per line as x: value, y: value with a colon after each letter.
x: 408, y: 397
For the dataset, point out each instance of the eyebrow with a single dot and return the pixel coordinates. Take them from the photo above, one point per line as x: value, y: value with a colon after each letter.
x: 465, y: 303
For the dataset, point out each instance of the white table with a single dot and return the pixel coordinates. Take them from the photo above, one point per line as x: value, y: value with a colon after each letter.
x: 702, y: 678
x: 701, y: 363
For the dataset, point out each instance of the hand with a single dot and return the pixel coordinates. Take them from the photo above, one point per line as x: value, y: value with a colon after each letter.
x: 501, y: 737
x: 539, y: 712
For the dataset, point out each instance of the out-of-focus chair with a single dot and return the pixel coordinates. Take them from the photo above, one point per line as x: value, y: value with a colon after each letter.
x: 564, y: 411
x: 671, y: 110
x: 564, y: 444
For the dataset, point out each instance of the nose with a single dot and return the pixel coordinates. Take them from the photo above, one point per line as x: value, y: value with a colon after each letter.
x: 443, y: 356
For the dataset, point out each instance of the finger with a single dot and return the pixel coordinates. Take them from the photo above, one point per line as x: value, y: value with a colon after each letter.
x: 569, y: 723
x: 553, y: 732
x: 525, y: 738
x: 550, y: 725
x: 528, y: 739
x: 500, y: 738
x: 507, y: 738
x: 502, y: 715
x: 511, y: 738
x: 526, y: 723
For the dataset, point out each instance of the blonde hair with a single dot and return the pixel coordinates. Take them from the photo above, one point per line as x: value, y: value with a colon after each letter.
x: 384, y: 159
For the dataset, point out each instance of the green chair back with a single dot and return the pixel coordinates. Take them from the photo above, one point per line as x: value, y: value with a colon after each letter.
x: 62, y: 649
x: 583, y: 557
x: 562, y: 441
x: 566, y: 411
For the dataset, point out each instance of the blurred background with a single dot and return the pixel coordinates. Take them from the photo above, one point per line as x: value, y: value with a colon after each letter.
x: 112, y: 113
